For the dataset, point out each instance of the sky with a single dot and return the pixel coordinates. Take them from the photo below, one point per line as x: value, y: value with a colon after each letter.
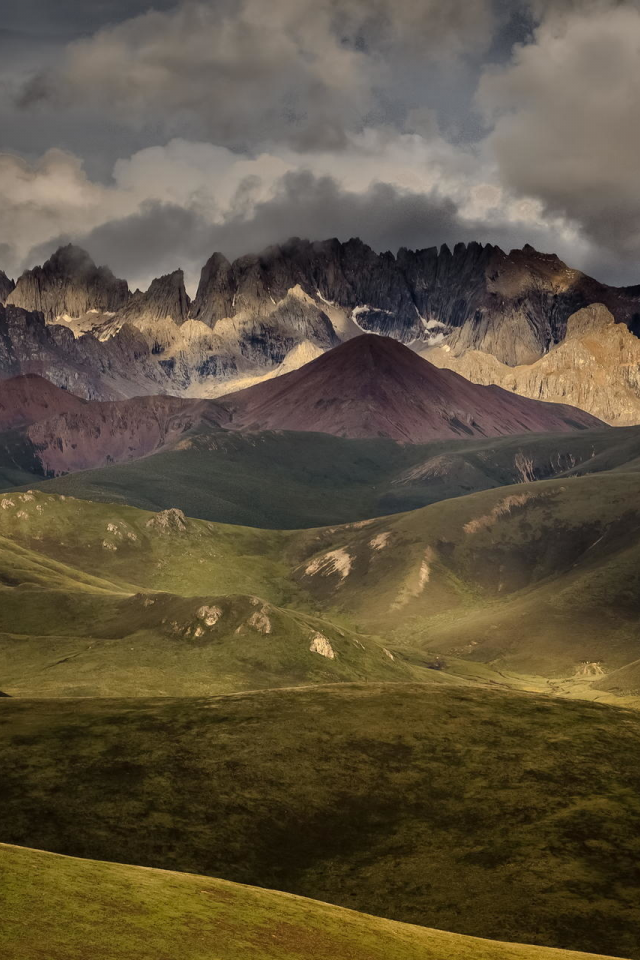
x: 153, y: 132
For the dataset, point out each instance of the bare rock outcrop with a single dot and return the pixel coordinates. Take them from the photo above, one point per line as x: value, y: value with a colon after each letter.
x: 595, y: 368
x: 168, y: 521
x: 6, y: 287
x: 69, y: 284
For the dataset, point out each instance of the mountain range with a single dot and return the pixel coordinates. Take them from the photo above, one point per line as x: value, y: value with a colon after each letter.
x: 482, y: 311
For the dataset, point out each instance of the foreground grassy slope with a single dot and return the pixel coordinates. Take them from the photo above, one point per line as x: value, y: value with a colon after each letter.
x: 81, y: 615
x: 543, y: 578
x: 507, y: 816
x: 292, y: 480
x: 69, y: 909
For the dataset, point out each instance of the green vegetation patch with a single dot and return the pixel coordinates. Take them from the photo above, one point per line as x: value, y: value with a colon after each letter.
x: 493, y: 814
x: 59, y: 908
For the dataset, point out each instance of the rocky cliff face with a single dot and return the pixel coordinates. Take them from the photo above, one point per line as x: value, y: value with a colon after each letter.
x: 6, y: 287
x: 513, y: 306
x: 262, y: 313
x: 166, y: 299
x: 69, y: 284
x: 596, y: 368
x: 158, y: 313
x: 118, y: 368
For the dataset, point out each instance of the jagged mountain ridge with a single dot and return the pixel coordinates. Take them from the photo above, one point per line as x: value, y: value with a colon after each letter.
x: 514, y: 304
x: 261, y: 311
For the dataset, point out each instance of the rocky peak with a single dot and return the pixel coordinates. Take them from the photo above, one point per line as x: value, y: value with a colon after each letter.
x: 6, y: 286
x: 594, y: 319
x: 596, y: 368
x: 215, y: 295
x: 166, y: 299
x: 69, y: 284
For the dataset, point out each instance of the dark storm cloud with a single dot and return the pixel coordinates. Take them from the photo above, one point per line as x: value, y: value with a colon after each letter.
x: 247, y: 72
x: 566, y: 119
x: 66, y: 19
x: 535, y: 100
x: 161, y: 237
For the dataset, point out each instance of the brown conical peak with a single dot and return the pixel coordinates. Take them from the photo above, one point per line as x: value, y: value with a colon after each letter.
x: 374, y: 386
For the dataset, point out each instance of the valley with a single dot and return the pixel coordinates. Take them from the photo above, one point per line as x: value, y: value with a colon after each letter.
x: 319, y: 480
x: 340, y: 663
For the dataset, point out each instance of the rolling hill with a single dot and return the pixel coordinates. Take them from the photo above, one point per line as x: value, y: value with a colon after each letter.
x: 540, y: 578
x: 484, y: 813
x: 104, y: 601
x: 80, y: 908
x: 292, y: 480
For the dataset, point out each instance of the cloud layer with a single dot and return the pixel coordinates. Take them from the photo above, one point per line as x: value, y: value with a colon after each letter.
x: 155, y: 136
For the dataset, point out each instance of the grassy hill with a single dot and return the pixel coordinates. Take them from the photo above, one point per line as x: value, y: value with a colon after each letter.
x: 539, y: 580
x: 486, y: 813
x: 99, y: 600
x: 622, y: 682
x: 293, y: 480
x: 542, y: 578
x: 70, y: 909
x: 80, y: 645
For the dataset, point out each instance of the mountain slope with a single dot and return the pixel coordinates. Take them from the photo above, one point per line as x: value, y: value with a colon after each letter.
x: 26, y: 399
x: 374, y: 386
x: 596, y: 368
x: 292, y: 480
x: 540, y: 578
x: 99, y: 433
x: 75, y: 907
x: 480, y: 812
